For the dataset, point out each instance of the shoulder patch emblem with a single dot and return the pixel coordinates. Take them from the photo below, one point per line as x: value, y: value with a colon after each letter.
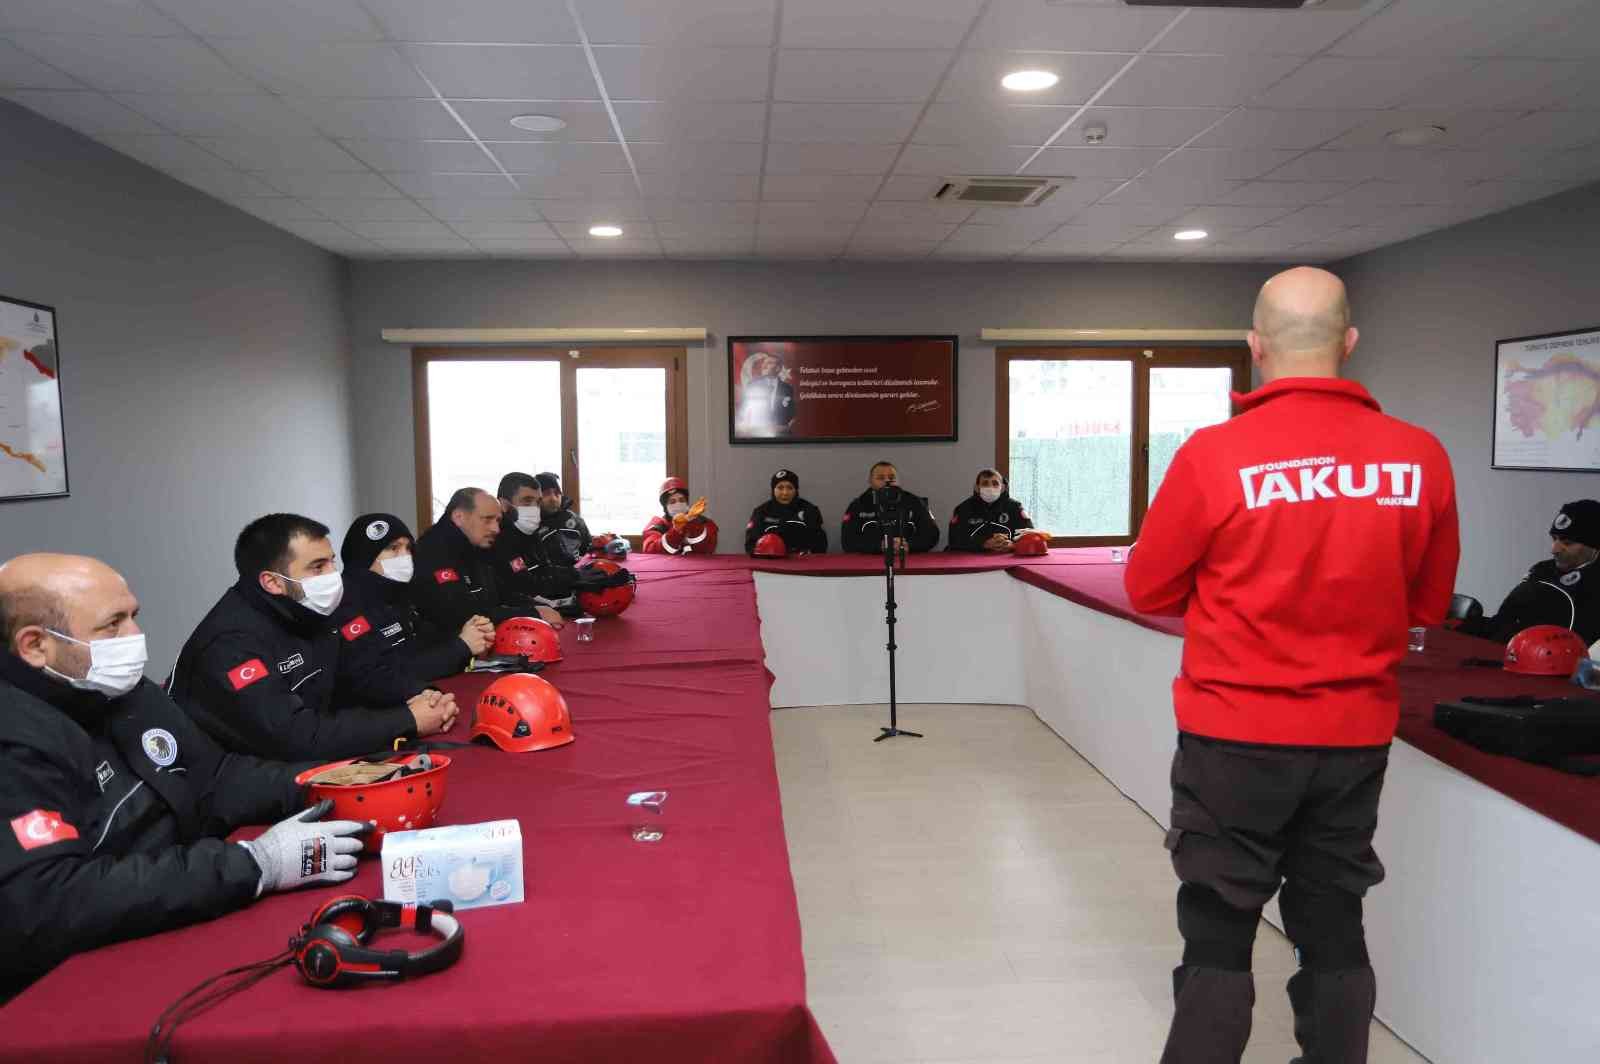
x: 1568, y: 579
x: 355, y: 629
x: 242, y: 676
x: 446, y: 576
x: 40, y: 828
x: 159, y: 746
x: 377, y: 530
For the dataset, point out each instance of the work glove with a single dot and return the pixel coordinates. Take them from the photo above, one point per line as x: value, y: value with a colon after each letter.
x: 305, y: 849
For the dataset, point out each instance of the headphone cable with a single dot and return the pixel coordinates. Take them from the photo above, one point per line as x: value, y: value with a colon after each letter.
x: 197, y: 999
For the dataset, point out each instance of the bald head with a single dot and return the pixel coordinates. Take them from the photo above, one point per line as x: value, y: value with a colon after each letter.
x: 69, y: 594
x: 1302, y: 325
x: 477, y: 514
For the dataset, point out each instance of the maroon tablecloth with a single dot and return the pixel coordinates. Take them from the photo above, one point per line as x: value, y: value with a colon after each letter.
x: 682, y: 950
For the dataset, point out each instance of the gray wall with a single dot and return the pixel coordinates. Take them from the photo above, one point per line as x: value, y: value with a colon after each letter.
x: 1430, y: 311
x: 741, y: 298
x: 203, y: 361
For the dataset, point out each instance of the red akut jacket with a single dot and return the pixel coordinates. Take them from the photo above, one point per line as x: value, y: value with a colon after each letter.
x: 1299, y: 541
x: 696, y: 537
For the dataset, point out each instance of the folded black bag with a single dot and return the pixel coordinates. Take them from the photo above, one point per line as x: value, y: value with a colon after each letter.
x: 1557, y: 732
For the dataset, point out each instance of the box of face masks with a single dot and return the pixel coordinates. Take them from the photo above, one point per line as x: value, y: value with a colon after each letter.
x: 472, y: 865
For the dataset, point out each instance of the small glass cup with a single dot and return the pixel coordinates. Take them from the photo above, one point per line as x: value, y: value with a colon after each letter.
x: 1416, y: 639
x: 1117, y: 554
x: 653, y: 801
x: 585, y: 627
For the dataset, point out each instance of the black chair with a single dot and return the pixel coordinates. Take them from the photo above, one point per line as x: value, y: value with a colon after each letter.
x: 1464, y: 608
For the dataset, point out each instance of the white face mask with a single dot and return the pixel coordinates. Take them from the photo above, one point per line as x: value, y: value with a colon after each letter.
x: 527, y: 520
x: 989, y: 494
x: 398, y: 568
x: 322, y: 593
x: 676, y: 508
x: 115, y: 665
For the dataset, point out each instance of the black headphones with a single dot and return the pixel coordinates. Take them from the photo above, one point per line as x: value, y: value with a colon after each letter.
x: 331, y: 950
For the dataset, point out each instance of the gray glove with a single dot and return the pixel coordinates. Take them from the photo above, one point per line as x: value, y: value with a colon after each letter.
x: 303, y: 849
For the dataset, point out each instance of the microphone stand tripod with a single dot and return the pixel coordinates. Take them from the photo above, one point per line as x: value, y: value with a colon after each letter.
x: 889, y: 553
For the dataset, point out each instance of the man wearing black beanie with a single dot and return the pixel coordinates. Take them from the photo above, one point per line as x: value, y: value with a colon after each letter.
x: 377, y: 574
x: 1563, y: 590
x: 797, y: 521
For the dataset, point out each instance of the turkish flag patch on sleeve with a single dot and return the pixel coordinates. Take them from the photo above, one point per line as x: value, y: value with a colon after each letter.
x: 518, y: 565
x: 355, y: 629
x: 242, y: 676
x: 445, y: 576
x: 40, y: 828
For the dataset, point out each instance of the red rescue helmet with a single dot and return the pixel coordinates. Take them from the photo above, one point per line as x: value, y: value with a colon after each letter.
x: 528, y: 637
x: 607, y: 601
x: 1545, y: 650
x: 1031, y: 545
x: 598, y: 543
x: 771, y: 545
x: 405, y: 802
x: 522, y: 712
x: 670, y: 485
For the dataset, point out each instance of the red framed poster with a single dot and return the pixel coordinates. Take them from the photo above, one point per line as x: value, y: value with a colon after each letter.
x: 841, y: 389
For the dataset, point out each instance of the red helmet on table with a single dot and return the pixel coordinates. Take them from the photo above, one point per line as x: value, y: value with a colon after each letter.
x: 522, y: 712
x: 406, y: 802
x: 1545, y: 650
x: 1031, y: 545
x: 527, y: 637
x: 607, y: 601
x: 771, y: 545
x: 598, y: 543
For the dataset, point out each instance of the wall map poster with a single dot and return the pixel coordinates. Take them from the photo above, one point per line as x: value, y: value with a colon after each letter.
x: 33, y: 449
x: 1547, y: 402
x: 841, y: 389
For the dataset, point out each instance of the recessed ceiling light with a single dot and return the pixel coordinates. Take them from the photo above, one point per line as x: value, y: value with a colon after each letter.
x: 1415, y: 136
x: 605, y: 230
x: 1190, y: 234
x: 539, y: 123
x: 1029, y: 80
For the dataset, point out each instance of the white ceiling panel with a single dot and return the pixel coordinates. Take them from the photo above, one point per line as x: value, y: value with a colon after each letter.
x: 1222, y: 217
x: 491, y: 119
x: 692, y: 121
x: 706, y: 230
x: 984, y: 122
x: 487, y: 209
x: 603, y: 187
x: 321, y: 231
x: 221, y: 115
x: 689, y: 158
x: 1284, y: 193
x: 1396, y: 164
x: 881, y: 232
x: 273, y: 153
x: 425, y: 244
x: 1117, y: 218
x: 708, y: 212
x: 880, y: 214
x: 1259, y: 32
x: 1567, y: 166
x: 1452, y: 27
x: 888, y: 76
x: 529, y: 157
x: 592, y: 212
x: 226, y: 184
x: 437, y: 156
x: 1174, y: 191
x: 976, y: 76
x: 400, y: 230
x: 1146, y: 127
x: 1461, y: 128
x: 843, y: 123
x: 1488, y: 196
x: 519, y: 21
x: 454, y: 186
x: 829, y: 158
x: 908, y: 188
x: 1401, y: 193
x: 1575, y: 36
x: 1266, y: 128
x: 721, y: 74
x: 21, y: 70
x: 1553, y: 130
x: 712, y: 23
x: 941, y: 160
x: 1095, y: 162
x: 515, y: 72
x: 328, y: 20
x: 416, y: 119
x: 1328, y: 83
x: 984, y: 238
x: 815, y: 230
x: 505, y: 230
x: 1067, y: 28
x: 524, y: 249
x: 164, y: 152
x: 87, y: 112
x: 360, y: 186
x: 800, y: 213
x: 1512, y: 85
x: 277, y: 209
x: 1196, y: 81
x: 618, y: 249
x: 358, y: 209
x: 323, y: 68
x: 928, y: 24
x: 133, y: 64
x: 112, y: 17
x: 1222, y: 163
x: 818, y: 187
x: 701, y: 186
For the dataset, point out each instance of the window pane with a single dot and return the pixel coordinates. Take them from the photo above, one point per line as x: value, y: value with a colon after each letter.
x: 1183, y: 399
x: 622, y: 446
x: 1071, y: 445
x: 486, y: 419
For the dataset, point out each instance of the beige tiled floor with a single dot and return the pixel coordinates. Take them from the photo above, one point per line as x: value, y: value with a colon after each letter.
x: 984, y: 895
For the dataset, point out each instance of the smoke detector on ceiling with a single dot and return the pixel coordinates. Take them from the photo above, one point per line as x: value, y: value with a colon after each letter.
x: 998, y: 191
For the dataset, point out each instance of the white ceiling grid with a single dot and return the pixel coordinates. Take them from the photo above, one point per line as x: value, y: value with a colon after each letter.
x: 818, y: 129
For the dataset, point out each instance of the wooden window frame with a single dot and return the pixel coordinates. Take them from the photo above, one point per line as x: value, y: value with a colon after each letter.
x: 675, y: 360
x: 1233, y: 357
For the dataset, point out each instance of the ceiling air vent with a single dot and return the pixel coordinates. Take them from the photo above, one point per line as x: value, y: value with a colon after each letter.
x: 999, y: 191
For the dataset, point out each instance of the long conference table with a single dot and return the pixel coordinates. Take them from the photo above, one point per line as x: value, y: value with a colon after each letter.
x: 689, y: 948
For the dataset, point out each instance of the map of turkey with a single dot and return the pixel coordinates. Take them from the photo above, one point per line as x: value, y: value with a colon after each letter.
x: 1559, y: 397
x: 41, y: 361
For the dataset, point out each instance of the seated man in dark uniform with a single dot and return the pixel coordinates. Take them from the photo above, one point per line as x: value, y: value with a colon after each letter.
x: 521, y: 564
x: 988, y: 519
x: 562, y: 534
x: 863, y: 528
x: 118, y: 805
x: 1563, y: 590
x: 268, y: 672
x: 456, y: 576
x: 786, y: 514
x: 377, y: 574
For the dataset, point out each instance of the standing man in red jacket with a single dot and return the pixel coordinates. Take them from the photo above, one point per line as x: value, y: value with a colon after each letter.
x: 1298, y: 541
